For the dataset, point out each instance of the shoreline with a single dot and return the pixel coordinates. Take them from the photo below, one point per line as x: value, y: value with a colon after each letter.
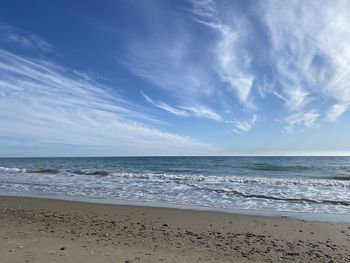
x: 45, y: 230
x: 307, y: 216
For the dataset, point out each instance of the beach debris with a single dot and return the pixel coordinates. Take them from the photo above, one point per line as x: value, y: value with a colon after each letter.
x: 20, y: 247
x: 11, y: 250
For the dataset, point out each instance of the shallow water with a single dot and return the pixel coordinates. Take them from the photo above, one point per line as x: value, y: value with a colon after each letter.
x: 296, y: 184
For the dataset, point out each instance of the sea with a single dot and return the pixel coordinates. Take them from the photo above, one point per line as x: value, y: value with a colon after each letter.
x: 291, y: 184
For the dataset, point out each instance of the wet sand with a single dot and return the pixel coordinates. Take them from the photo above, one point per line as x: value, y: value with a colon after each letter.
x: 44, y: 230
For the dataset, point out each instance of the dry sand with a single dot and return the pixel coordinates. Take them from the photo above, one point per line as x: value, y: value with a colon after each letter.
x: 43, y: 230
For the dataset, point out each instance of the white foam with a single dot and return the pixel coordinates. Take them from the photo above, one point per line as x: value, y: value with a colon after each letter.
x: 239, y: 179
x: 12, y: 170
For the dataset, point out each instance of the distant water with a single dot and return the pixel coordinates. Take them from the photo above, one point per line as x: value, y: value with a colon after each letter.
x: 296, y: 184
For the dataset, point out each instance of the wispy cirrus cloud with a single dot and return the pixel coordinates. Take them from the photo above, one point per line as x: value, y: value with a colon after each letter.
x: 336, y: 111
x: 47, y: 103
x: 305, y: 50
x: 310, y: 51
x: 201, y: 111
x: 164, y: 106
x: 304, y: 119
x: 296, y: 98
x: 243, y: 126
x: 198, y: 111
x: 14, y: 35
x: 195, y: 70
x: 231, y: 58
x: 302, y: 54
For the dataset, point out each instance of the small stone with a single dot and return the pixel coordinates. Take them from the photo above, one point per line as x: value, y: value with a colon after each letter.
x: 165, y: 225
x: 11, y: 250
x: 20, y: 247
x: 62, y: 248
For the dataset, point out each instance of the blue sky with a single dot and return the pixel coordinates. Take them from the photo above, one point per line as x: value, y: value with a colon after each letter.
x: 194, y: 77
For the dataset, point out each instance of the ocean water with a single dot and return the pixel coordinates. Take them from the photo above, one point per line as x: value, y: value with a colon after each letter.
x: 295, y: 184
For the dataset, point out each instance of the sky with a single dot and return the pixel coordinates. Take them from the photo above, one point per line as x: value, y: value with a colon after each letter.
x: 163, y: 77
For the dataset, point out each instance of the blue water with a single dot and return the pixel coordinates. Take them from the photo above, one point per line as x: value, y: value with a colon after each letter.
x: 295, y: 184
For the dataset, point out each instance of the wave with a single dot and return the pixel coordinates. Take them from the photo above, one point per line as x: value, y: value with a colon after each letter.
x: 42, y: 171
x: 89, y: 172
x: 53, y: 171
x: 13, y: 170
x: 303, y: 181
x: 270, y: 197
x: 332, y: 181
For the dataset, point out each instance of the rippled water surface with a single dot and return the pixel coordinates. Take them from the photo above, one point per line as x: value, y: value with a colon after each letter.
x: 300, y: 184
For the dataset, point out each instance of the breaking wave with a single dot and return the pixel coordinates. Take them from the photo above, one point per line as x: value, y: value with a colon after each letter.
x: 271, y: 197
x: 332, y: 181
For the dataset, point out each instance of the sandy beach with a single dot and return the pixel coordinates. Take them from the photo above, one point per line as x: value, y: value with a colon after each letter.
x: 43, y: 230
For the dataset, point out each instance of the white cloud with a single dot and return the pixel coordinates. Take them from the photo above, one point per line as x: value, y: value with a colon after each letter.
x: 307, y: 119
x: 305, y: 49
x: 10, y: 34
x: 195, y: 70
x: 296, y: 98
x: 165, y: 106
x: 233, y: 61
x: 42, y: 101
x: 310, y: 49
x: 310, y: 52
x: 245, y: 125
x: 336, y: 111
x: 199, y: 111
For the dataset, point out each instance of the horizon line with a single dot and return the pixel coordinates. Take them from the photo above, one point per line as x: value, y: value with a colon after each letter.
x: 174, y: 156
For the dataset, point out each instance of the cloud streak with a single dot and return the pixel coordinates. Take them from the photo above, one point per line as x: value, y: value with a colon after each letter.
x: 244, y: 126
x: 305, y: 119
x: 198, y: 111
x: 336, y: 111
x: 14, y: 35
